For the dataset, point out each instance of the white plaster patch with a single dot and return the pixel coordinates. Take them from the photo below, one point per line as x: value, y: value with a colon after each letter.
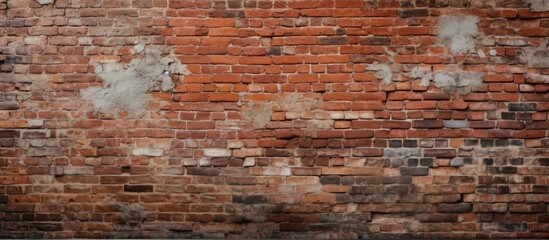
x: 460, y: 82
x: 383, y: 71
x: 127, y: 85
x: 538, y: 5
x: 426, y: 76
x: 537, y: 57
x: 458, y: 33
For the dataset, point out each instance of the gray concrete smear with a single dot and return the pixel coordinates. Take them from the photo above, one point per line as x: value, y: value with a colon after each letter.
x: 458, y: 33
x: 383, y: 71
x: 259, y: 113
x: 126, y: 85
x: 44, y: 2
x: 537, y: 78
x: 536, y: 57
x: 426, y: 76
x: 131, y: 214
x: 538, y: 5
x: 460, y: 82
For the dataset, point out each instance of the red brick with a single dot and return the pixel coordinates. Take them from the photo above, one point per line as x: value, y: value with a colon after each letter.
x: 413, y: 105
x: 302, y: 78
x: 223, y: 97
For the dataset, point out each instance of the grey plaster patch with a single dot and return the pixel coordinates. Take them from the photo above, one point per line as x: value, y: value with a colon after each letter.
x: 460, y: 82
x: 481, y: 54
x: 456, y: 124
x: 537, y: 78
x: 383, y: 71
x: 537, y: 57
x: 426, y: 76
x: 126, y: 85
x: 131, y: 214
x: 44, y: 2
x: 538, y: 5
x: 458, y: 33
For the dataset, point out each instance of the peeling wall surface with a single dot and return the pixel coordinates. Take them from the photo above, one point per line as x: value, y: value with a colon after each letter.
x: 458, y: 32
x: 126, y: 85
x: 289, y: 119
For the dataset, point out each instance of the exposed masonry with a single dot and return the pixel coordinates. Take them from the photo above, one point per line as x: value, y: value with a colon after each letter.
x: 458, y: 33
x: 259, y: 113
x: 126, y: 85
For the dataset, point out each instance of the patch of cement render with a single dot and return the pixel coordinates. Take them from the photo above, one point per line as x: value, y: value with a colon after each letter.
x: 538, y: 5
x: 383, y: 71
x: 126, y: 85
x: 460, y: 82
x: 537, y: 78
x: 537, y: 57
x: 426, y: 76
x: 258, y: 113
x: 458, y: 33
x: 44, y: 2
x: 131, y: 214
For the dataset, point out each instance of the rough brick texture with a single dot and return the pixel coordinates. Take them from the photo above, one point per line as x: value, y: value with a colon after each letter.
x: 274, y: 119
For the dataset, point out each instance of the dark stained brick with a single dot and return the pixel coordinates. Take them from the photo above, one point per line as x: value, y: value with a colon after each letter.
x: 406, y: 13
x: 138, y: 188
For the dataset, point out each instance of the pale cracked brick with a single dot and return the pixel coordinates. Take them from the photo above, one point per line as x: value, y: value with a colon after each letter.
x: 352, y: 115
x: 44, y: 2
x: 456, y: 124
x: 150, y: 152
x: 36, y: 40
x: 217, y: 152
x: 77, y: 170
x: 35, y: 123
x: 275, y: 171
x: 367, y: 114
x: 190, y: 162
x: 235, y: 144
x: 204, y: 162
x: 85, y: 41
x: 337, y: 115
x: 249, y: 162
x: 292, y: 115
x: 248, y: 152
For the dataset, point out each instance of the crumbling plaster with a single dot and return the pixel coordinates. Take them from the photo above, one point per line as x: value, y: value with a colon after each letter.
x: 127, y: 85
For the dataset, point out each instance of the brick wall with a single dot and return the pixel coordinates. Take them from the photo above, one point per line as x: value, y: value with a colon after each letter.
x: 274, y: 118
